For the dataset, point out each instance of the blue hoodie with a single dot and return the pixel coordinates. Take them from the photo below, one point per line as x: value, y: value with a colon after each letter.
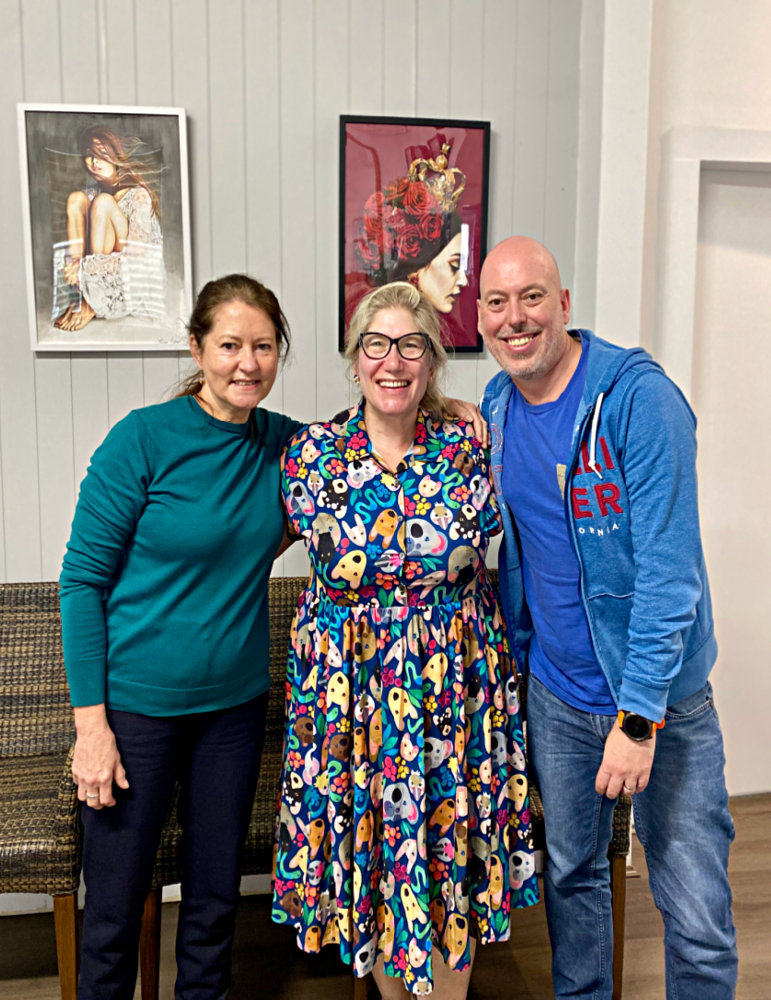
x: 632, y: 511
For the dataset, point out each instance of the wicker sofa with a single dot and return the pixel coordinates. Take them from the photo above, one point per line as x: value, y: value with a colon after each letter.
x: 40, y: 834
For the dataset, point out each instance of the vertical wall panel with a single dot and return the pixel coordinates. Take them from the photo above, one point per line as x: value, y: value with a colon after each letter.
x: 532, y: 54
x: 498, y: 105
x: 433, y: 55
x: 331, y: 100
x: 153, y: 42
x: 90, y: 410
x: 190, y: 56
x: 120, y: 48
x: 366, y: 57
x: 226, y: 149
x: 125, y: 385
x: 559, y: 231
x: 18, y: 432
x: 399, y: 57
x: 79, y: 48
x: 263, y: 147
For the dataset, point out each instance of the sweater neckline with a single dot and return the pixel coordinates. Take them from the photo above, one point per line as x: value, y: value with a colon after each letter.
x: 241, y: 430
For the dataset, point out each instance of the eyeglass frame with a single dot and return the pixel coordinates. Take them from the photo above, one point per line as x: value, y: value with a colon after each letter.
x: 395, y: 340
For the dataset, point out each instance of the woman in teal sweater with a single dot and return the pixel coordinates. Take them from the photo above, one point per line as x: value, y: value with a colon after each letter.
x: 164, y: 595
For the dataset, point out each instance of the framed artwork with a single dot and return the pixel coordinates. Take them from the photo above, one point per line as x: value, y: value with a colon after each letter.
x: 413, y: 207
x: 106, y: 227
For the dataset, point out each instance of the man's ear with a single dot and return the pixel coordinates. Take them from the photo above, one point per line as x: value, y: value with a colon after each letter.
x: 480, y: 331
x: 565, y: 300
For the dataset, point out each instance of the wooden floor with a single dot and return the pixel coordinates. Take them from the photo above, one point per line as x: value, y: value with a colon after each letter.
x: 265, y: 954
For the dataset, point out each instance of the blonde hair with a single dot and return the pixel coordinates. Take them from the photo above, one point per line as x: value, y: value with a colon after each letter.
x: 403, y: 294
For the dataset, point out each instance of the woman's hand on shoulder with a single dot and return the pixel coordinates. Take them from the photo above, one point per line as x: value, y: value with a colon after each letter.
x: 462, y: 410
x: 96, y: 762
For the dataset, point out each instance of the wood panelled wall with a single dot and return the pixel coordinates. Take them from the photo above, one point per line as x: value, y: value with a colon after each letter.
x: 263, y: 83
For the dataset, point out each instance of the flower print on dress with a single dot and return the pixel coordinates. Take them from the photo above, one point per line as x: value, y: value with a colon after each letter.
x: 404, y: 820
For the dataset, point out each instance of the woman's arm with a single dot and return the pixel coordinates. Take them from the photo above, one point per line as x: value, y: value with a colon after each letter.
x: 462, y: 410
x: 112, y: 498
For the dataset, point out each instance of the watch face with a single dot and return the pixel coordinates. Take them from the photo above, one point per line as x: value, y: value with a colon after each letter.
x: 637, y: 727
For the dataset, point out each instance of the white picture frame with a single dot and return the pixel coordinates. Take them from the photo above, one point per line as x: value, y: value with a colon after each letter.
x: 106, y: 212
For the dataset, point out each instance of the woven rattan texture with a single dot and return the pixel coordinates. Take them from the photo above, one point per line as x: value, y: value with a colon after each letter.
x: 35, y: 713
x: 258, y: 856
x: 40, y: 841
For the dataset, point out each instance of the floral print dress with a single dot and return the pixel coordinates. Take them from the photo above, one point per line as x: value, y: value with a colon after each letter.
x: 404, y: 823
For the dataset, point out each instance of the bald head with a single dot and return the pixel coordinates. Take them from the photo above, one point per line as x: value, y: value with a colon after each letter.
x: 519, y: 251
x: 523, y: 315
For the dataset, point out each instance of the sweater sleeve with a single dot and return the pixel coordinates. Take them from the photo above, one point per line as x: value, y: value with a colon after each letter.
x: 660, y: 474
x: 112, y: 498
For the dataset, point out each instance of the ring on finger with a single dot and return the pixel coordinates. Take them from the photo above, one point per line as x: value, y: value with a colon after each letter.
x: 92, y: 795
x: 628, y: 790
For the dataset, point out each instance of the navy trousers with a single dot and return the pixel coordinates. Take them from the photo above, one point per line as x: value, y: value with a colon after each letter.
x: 216, y: 757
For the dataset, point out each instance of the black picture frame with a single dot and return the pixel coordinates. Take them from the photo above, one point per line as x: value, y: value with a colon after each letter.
x: 403, y: 170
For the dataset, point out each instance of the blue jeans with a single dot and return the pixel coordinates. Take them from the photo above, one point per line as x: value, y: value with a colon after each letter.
x: 683, y: 822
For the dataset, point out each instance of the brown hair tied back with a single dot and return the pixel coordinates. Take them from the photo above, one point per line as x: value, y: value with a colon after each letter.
x: 220, y: 292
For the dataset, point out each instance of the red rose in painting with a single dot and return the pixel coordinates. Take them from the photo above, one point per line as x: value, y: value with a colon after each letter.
x: 396, y: 189
x: 373, y: 224
x: 370, y: 253
x: 418, y: 200
x: 374, y: 203
x: 409, y: 242
x: 431, y: 227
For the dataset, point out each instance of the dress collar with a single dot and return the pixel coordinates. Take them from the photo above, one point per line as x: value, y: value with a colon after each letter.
x: 355, y: 440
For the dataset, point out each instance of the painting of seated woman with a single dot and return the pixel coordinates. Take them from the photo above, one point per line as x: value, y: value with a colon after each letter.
x: 111, y: 223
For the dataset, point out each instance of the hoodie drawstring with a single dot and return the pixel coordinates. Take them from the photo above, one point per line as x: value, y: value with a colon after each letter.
x: 593, y: 436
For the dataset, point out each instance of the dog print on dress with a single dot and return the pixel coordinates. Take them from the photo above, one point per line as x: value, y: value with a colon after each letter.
x: 404, y: 823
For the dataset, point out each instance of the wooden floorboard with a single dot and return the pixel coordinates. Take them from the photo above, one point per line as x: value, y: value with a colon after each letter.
x: 265, y: 954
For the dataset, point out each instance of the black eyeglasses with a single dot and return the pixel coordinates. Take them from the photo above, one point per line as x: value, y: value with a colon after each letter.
x: 411, y: 346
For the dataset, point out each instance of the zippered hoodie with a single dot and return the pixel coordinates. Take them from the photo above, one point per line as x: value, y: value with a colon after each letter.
x: 632, y: 512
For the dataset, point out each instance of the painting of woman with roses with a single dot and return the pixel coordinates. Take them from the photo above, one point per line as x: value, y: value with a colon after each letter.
x: 414, y: 208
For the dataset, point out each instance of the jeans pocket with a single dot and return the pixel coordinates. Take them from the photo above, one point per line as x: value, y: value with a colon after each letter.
x: 692, y: 706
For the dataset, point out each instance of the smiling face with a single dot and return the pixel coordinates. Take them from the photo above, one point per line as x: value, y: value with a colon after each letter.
x: 523, y: 312
x: 393, y: 386
x: 239, y: 361
x: 99, y: 168
x: 442, y: 280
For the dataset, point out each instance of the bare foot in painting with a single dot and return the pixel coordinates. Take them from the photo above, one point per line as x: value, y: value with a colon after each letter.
x: 75, y: 318
x: 71, y: 272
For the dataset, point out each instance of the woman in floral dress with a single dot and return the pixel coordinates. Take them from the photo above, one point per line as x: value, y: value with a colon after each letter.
x: 404, y: 831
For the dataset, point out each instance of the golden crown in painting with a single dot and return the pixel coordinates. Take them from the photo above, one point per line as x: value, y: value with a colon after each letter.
x: 446, y: 183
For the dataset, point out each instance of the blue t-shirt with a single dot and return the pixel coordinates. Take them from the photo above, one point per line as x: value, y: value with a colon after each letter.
x: 537, y: 447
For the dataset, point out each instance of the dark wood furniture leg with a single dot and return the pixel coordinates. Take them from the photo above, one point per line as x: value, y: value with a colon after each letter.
x: 360, y: 988
x: 67, y: 951
x: 150, y: 946
x: 618, y: 904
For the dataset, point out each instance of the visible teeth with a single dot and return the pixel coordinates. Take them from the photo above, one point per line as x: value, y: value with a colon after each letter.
x: 393, y: 385
x: 243, y: 382
x: 519, y: 341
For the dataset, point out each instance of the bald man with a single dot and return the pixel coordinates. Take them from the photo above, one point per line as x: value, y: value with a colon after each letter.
x: 606, y: 597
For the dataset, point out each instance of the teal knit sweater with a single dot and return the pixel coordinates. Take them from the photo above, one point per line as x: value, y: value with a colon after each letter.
x: 164, y: 587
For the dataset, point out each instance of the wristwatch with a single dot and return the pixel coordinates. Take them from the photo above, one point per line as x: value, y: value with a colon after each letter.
x: 637, y: 727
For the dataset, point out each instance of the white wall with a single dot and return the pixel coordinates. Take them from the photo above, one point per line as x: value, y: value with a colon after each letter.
x: 730, y: 392
x: 263, y: 82
x: 709, y: 67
